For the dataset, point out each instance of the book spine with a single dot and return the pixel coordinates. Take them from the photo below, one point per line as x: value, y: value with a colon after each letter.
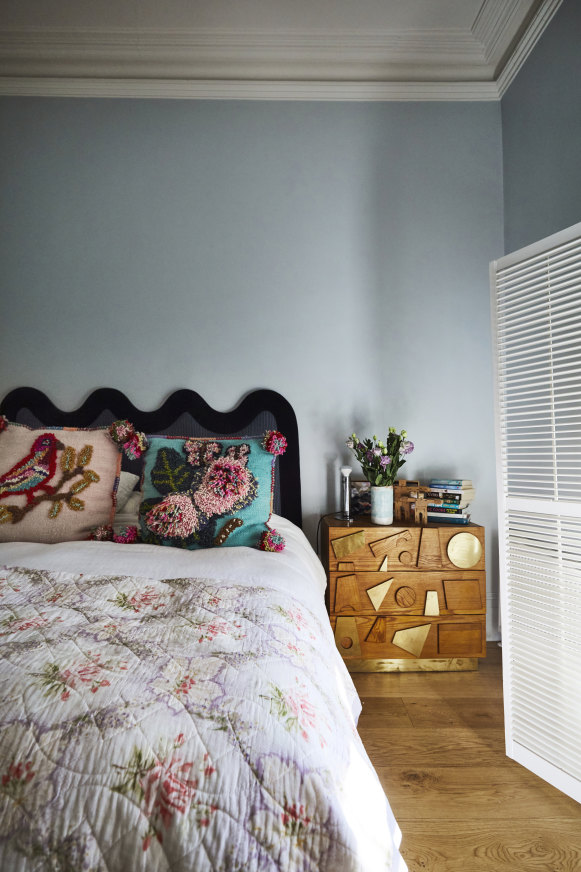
x: 448, y: 519
x: 449, y: 482
x: 442, y: 495
x: 445, y: 510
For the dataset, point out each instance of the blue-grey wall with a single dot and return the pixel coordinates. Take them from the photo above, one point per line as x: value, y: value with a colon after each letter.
x: 541, y: 128
x: 337, y: 253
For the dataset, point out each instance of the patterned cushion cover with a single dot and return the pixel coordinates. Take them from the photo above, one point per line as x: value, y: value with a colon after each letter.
x: 198, y: 493
x: 56, y: 485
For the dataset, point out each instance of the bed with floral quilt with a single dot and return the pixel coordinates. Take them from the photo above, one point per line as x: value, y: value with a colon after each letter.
x: 187, y: 710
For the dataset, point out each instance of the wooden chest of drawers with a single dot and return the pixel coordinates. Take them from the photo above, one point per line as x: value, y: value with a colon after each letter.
x: 406, y: 597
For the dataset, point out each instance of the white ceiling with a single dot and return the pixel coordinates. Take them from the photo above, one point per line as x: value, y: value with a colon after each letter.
x: 268, y: 49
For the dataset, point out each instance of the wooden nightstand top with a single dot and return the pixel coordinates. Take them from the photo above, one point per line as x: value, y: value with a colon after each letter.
x: 364, y: 521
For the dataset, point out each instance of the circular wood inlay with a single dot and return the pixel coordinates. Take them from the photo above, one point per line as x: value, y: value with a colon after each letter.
x: 405, y: 557
x: 464, y: 550
x: 405, y: 597
x: 346, y: 642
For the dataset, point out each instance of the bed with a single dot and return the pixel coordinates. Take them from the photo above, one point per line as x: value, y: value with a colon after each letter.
x: 162, y: 708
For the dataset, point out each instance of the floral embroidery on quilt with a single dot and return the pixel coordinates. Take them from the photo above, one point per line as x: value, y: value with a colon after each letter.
x: 37, y: 471
x: 167, y: 785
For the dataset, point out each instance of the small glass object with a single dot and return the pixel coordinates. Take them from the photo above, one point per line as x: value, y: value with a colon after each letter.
x: 345, y: 513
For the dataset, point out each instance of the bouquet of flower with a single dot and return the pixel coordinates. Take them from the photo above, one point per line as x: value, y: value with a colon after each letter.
x: 379, y: 460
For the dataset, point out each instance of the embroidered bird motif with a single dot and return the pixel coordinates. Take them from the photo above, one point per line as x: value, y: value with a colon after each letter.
x: 34, y: 471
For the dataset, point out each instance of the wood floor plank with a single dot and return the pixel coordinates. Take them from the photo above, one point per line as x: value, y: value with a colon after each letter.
x: 435, y: 684
x: 437, y: 742
x: 434, y: 747
x: 455, y: 711
x: 531, y: 846
x: 379, y: 712
x: 483, y: 793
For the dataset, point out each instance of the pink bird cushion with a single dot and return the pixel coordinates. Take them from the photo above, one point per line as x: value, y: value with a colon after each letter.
x: 56, y: 485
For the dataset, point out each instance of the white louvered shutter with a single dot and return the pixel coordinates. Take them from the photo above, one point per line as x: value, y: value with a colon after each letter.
x: 536, y: 310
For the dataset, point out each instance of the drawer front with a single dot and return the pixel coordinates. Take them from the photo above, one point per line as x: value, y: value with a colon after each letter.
x: 409, y: 549
x: 388, y: 638
x: 406, y: 593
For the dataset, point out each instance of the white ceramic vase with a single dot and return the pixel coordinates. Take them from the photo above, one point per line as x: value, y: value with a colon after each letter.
x: 382, y: 504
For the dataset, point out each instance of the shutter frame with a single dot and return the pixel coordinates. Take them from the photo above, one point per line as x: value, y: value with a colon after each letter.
x: 536, y: 327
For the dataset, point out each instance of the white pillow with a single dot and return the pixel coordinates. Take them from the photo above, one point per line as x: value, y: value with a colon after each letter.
x: 127, y: 482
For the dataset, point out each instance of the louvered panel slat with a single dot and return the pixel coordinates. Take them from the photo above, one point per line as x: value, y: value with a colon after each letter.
x: 536, y: 300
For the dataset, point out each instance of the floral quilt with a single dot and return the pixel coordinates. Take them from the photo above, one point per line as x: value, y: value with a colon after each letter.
x: 185, y: 724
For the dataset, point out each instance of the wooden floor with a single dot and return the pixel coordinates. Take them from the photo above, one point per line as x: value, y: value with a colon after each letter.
x: 437, y: 743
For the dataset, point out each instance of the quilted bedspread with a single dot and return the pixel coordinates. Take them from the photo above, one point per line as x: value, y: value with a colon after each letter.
x: 185, y: 724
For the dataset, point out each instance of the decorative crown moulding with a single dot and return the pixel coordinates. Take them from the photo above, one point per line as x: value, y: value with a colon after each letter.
x: 249, y: 90
x: 417, y: 64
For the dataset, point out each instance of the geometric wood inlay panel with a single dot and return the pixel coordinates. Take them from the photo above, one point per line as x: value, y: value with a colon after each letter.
x: 432, y: 606
x: 405, y: 597
x: 378, y: 593
x: 347, y: 637
x: 348, y: 544
x: 460, y: 640
x: 464, y: 550
x: 413, y: 639
x: 429, y: 556
x: 347, y: 594
x: 377, y: 632
x: 463, y: 594
x: 383, y: 546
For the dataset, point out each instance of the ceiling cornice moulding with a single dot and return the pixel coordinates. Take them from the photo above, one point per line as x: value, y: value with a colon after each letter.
x: 470, y: 63
x: 250, y: 90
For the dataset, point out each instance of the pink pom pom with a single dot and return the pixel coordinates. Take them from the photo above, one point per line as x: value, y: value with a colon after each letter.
x: 121, y: 431
x: 135, y: 446
x: 272, y: 541
x: 274, y: 442
x: 127, y: 537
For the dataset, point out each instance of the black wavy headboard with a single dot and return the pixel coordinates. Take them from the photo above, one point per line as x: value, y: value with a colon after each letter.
x: 185, y: 413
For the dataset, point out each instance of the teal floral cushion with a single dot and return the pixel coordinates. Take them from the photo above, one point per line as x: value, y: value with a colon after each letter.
x: 201, y: 493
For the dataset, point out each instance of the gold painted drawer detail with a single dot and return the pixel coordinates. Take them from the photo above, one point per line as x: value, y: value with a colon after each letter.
x: 399, y: 595
x: 409, y: 549
x: 404, y: 593
x: 387, y: 637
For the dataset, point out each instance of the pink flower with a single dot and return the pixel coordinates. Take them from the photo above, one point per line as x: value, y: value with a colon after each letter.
x: 174, y: 517
x: 193, y: 450
x: 225, y: 482
x: 167, y: 789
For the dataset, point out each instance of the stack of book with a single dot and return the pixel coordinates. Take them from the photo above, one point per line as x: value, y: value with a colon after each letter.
x: 455, y: 494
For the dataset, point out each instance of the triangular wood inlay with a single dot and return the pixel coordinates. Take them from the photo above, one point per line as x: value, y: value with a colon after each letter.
x: 377, y: 632
x: 383, y: 567
x: 378, y: 593
x: 412, y: 640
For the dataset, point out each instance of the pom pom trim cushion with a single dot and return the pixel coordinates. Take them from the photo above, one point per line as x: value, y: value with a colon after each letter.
x: 56, y: 484
x: 202, y: 493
